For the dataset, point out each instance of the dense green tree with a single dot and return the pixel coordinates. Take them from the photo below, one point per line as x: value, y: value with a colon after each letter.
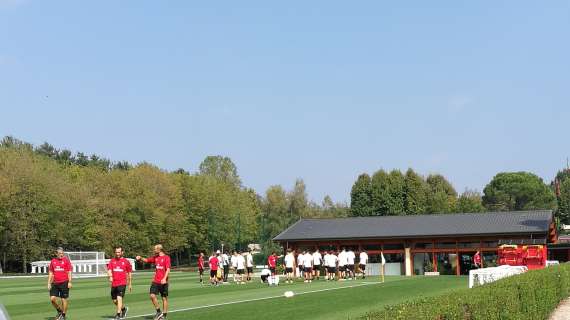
x: 518, y: 191
x: 416, y: 193
x: 470, y: 201
x: 329, y: 209
x: 298, y: 200
x: 29, y: 201
x: 561, y: 187
x: 221, y: 168
x: 397, y: 188
x: 361, y: 197
x: 442, y: 196
x: 380, y: 193
x: 49, y: 198
x: 563, y: 212
x: 276, y: 214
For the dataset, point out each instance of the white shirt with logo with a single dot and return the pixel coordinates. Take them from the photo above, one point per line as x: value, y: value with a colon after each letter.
x: 308, y: 260
x: 224, y: 259
x: 326, y: 260
x: 289, y: 260
x: 333, y: 260
x: 350, y: 257
x: 342, y: 259
x: 240, y: 262
x: 317, y: 258
x: 300, y: 259
x: 249, y: 260
x: 363, y: 258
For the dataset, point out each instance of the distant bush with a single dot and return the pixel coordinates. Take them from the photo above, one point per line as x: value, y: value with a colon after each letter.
x: 532, y: 295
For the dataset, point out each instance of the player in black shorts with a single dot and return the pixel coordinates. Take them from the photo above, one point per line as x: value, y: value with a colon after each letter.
x: 350, y: 269
x: 362, y: 268
x: 59, y: 282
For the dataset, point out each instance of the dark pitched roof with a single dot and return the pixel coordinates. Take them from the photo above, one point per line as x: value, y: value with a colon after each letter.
x: 437, y: 225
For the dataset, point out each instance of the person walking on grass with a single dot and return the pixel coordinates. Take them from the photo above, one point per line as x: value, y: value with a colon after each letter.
x: 301, y: 264
x: 326, y: 259
x: 233, y: 265
x: 333, y: 263
x: 249, y: 264
x: 159, y: 283
x: 214, y: 264
x: 289, y: 266
x: 272, y: 263
x: 59, y: 283
x: 120, y: 271
x: 363, y: 261
x: 240, y: 268
x: 201, y: 266
x: 226, y: 266
x: 350, y: 257
x: 317, y: 262
x: 308, y: 266
x: 342, y: 262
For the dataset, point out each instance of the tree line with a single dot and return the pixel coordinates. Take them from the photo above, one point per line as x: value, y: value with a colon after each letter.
x: 51, y: 197
x: 409, y: 193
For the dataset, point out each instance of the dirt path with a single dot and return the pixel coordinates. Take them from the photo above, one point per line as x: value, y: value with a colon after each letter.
x: 562, y: 312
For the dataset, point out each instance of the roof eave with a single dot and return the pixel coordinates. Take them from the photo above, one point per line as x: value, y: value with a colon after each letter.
x: 415, y: 236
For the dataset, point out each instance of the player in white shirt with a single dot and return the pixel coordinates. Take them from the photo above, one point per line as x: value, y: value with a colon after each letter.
x: 350, y: 257
x: 240, y: 268
x: 300, y: 263
x: 222, y: 266
x: 233, y: 264
x: 289, y: 266
x: 249, y: 264
x: 326, y: 264
x: 308, y: 266
x: 317, y: 262
x: 342, y: 262
x: 333, y: 261
x: 362, y: 263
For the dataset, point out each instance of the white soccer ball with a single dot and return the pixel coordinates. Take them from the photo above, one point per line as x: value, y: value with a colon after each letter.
x: 288, y: 294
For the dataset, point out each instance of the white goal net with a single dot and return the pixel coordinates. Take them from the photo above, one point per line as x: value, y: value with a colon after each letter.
x: 84, y: 263
x: 479, y: 277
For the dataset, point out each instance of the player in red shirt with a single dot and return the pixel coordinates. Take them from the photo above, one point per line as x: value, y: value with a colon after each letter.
x: 59, y: 282
x: 477, y: 259
x: 214, y: 263
x: 272, y: 262
x: 119, y: 271
x: 201, y: 265
x: 159, y: 284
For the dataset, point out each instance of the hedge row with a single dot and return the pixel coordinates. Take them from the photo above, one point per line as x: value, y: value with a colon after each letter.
x: 532, y: 295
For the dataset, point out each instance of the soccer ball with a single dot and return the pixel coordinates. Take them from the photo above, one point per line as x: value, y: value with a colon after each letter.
x: 288, y: 294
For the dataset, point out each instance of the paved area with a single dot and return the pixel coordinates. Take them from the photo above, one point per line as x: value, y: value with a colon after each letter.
x: 562, y: 312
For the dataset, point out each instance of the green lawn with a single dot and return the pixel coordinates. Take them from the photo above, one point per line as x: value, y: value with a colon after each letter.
x: 28, y: 298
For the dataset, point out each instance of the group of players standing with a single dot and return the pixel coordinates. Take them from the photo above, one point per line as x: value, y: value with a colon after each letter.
x: 220, y: 264
x: 305, y: 264
x: 336, y: 265
x: 119, y: 272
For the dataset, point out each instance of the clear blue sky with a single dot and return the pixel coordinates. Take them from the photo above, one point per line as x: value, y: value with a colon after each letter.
x: 319, y: 90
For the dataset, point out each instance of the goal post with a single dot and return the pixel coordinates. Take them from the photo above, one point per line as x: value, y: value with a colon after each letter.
x: 84, y: 264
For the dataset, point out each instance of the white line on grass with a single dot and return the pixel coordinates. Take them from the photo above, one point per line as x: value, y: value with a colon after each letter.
x: 256, y: 299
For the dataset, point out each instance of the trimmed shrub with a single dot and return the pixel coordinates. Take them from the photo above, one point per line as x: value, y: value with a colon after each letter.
x: 532, y: 295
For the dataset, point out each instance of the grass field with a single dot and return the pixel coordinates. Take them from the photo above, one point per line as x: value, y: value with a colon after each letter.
x: 27, y: 298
